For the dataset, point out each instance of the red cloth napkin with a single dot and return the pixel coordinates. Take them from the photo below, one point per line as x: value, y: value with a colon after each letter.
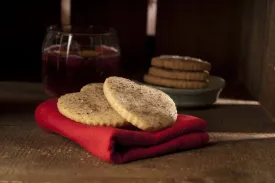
x: 121, y: 145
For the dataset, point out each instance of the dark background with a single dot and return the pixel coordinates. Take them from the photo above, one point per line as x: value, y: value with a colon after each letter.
x: 199, y: 28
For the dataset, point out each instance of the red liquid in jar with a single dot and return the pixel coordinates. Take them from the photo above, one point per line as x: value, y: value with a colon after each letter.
x: 65, y: 74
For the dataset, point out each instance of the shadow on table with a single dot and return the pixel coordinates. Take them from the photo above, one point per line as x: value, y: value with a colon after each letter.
x: 8, y: 106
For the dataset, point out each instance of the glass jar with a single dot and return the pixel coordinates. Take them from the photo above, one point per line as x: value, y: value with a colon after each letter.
x: 75, y: 56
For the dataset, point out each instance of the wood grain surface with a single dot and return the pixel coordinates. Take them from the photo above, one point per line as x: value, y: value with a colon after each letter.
x: 267, y: 97
x: 242, y: 148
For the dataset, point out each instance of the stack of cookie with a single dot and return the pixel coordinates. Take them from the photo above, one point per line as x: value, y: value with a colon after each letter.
x: 178, y: 72
x: 119, y: 102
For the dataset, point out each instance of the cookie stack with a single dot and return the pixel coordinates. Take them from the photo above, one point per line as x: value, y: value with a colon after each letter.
x: 119, y: 102
x: 178, y: 72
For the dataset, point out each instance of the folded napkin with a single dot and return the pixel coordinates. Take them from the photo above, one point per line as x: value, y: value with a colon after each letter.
x: 117, y: 145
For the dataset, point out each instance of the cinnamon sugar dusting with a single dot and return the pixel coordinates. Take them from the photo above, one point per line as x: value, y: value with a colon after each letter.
x: 143, y: 105
x: 89, y: 107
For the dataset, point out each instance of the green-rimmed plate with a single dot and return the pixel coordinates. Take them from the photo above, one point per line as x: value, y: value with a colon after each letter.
x: 195, y: 97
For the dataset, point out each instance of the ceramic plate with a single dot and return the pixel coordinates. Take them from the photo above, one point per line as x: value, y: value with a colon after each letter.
x: 195, y: 97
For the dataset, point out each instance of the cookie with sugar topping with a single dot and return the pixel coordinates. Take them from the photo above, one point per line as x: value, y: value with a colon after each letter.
x: 181, y: 63
x: 93, y: 88
x: 176, y: 74
x: 90, y: 107
x: 147, y: 108
x: 175, y: 83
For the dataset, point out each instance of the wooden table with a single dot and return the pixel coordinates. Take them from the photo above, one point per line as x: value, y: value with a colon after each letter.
x: 242, y: 150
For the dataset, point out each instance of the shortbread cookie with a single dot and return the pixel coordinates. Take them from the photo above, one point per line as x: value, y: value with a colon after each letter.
x: 146, y: 108
x: 173, y: 83
x: 93, y: 88
x: 89, y: 108
x: 176, y: 74
x: 181, y: 63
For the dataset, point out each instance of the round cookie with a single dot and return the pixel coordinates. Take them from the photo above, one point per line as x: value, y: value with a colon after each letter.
x: 90, y: 108
x: 146, y: 108
x: 176, y: 74
x: 173, y: 83
x: 93, y: 88
x: 181, y: 63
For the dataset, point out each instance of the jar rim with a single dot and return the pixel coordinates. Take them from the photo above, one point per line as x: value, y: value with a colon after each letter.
x: 90, y: 30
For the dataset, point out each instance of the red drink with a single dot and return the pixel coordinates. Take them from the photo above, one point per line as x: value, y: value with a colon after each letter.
x: 66, y: 73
